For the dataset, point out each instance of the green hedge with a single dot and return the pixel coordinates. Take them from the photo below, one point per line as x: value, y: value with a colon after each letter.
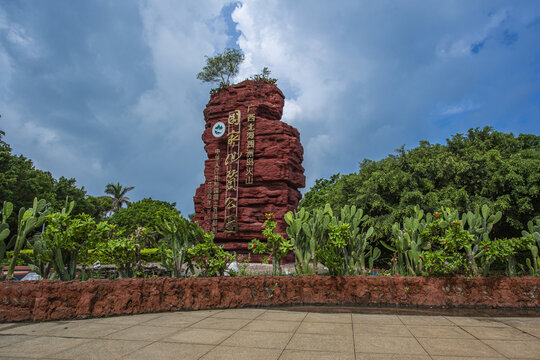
x: 147, y: 255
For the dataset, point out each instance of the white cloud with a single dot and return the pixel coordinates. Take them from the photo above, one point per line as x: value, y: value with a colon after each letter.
x: 363, y: 78
x: 459, y: 108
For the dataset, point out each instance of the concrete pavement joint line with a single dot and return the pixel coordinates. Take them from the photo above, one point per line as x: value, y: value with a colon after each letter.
x: 294, y: 333
x: 215, y: 346
x: 477, y: 337
x: 523, y: 331
x: 353, y: 339
x: 414, y: 336
x: 158, y: 340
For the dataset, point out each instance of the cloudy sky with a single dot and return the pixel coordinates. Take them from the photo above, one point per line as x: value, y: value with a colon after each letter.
x: 106, y: 91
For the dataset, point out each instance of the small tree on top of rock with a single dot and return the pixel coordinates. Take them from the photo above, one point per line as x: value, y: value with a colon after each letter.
x: 222, y: 67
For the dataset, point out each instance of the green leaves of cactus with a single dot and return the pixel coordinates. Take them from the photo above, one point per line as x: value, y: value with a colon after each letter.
x: 7, y: 209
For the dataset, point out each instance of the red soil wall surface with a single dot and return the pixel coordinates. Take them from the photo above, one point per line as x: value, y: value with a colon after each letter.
x: 53, y: 300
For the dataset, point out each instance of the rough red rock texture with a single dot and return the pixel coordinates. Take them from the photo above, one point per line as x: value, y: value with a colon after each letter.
x: 53, y: 300
x: 277, y: 162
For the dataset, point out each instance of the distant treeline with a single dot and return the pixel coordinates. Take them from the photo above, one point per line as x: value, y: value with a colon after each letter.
x: 481, y: 167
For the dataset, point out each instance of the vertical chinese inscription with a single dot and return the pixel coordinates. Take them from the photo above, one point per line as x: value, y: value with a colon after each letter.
x: 250, y: 148
x: 232, y: 163
x: 215, y: 194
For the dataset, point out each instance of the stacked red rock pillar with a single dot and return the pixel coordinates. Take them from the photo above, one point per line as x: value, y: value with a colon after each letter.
x: 254, y: 164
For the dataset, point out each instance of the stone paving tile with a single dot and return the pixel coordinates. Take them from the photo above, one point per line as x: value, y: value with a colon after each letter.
x: 238, y: 314
x: 528, y: 325
x: 468, y: 321
x: 273, y: 326
x: 277, y: 315
x: 12, y: 339
x: 41, y: 346
x: 442, y: 332
x: 259, y: 339
x: 200, y: 336
x: 6, y: 325
x: 79, y: 329
x: 531, y: 330
x: 315, y: 355
x: 22, y: 358
x: 336, y: 343
x: 224, y: 324
x: 34, y: 328
x: 143, y: 332
x: 496, y: 333
x: 516, y: 349
x: 330, y: 318
x: 325, y: 328
x: 388, y: 345
x: 381, y: 330
x: 127, y: 320
x: 169, y: 322
x: 180, y: 320
x: 360, y: 356
x: 425, y: 320
x: 458, y: 347
x: 100, y: 349
x: 376, y: 319
x: 238, y: 353
x: 169, y: 351
x: 467, y: 358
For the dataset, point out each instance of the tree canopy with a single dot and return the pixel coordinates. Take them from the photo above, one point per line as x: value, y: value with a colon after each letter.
x: 222, y: 67
x: 21, y: 182
x: 482, y: 167
x: 117, y: 195
x: 147, y: 213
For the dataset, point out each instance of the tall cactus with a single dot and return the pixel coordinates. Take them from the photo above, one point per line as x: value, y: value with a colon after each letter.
x: 28, y: 221
x: 479, y: 224
x: 304, y: 246
x: 407, y: 243
x: 7, y: 209
x: 316, y: 230
x: 179, y: 235
x: 533, y: 264
x: 358, y: 249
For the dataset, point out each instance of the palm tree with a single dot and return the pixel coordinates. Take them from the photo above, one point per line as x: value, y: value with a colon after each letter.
x: 117, y: 193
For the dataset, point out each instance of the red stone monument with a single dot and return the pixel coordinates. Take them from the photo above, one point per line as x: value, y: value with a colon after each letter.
x: 254, y: 164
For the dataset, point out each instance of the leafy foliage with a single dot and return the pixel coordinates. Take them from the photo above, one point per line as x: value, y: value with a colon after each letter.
x: 222, y: 67
x: 264, y: 76
x: 21, y: 182
x: 276, y: 246
x: 179, y: 235
x: 482, y: 167
x: 146, y: 213
x: 117, y: 195
x: 209, y: 258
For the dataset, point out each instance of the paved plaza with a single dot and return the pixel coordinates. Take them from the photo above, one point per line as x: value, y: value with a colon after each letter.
x: 262, y: 334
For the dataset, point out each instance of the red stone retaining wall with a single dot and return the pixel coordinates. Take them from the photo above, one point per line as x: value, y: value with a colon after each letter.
x: 53, y: 300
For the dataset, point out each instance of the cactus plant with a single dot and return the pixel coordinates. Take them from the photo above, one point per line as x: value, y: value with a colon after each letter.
x: 7, y: 209
x: 407, y: 244
x: 179, y: 235
x: 28, y: 221
x: 479, y: 223
x: 304, y: 246
x: 533, y: 234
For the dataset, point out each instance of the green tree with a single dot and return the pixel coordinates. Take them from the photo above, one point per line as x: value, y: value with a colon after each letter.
x: 222, y: 67
x: 482, y: 167
x: 21, y: 182
x: 147, y: 213
x: 117, y: 194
